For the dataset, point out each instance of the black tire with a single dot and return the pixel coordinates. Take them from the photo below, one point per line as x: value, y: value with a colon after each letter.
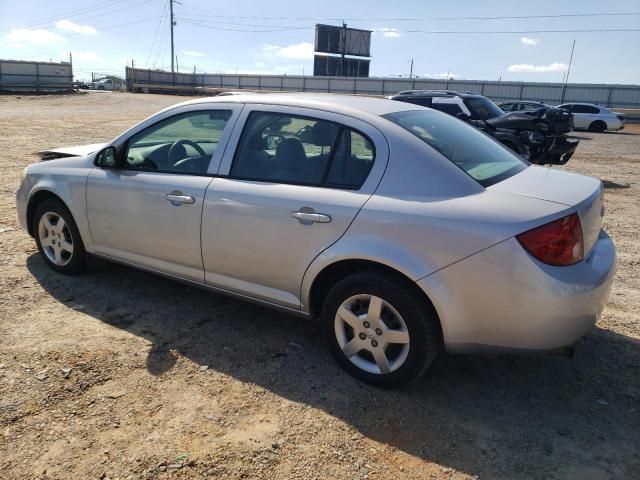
x: 425, y: 337
x: 598, y: 126
x: 77, y: 261
x: 100, y: 87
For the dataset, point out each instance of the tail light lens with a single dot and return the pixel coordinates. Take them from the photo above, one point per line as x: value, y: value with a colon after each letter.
x: 557, y: 243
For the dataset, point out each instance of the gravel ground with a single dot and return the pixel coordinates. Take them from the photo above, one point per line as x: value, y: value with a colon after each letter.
x: 120, y: 374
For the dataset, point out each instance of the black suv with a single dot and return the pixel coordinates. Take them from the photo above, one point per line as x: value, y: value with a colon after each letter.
x: 537, y: 135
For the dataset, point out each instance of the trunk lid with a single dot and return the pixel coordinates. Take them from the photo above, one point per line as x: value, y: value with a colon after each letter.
x: 583, y: 193
x: 76, y: 151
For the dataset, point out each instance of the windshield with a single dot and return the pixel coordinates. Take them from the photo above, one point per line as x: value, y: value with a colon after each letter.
x: 483, y: 158
x: 482, y: 108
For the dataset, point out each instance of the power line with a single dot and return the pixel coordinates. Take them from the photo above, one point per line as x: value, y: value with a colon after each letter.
x: 77, y: 11
x: 491, y: 32
x: 156, y: 34
x: 418, y: 19
x: 429, y: 32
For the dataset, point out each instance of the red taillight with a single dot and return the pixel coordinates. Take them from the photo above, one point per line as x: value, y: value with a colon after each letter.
x: 556, y: 243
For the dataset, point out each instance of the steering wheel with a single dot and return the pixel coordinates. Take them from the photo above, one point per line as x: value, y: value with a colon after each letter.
x: 174, y: 149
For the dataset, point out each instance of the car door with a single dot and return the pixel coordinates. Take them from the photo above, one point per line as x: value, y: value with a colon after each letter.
x: 147, y: 209
x: 291, y: 182
x: 580, y: 120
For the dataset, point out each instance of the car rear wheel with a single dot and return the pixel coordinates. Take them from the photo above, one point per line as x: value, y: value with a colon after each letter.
x: 58, y: 238
x: 379, y: 329
x: 598, y: 126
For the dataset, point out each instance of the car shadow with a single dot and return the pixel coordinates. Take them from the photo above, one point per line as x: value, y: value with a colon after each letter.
x: 484, y: 416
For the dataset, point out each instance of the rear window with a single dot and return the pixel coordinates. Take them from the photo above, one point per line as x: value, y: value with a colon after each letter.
x: 486, y: 160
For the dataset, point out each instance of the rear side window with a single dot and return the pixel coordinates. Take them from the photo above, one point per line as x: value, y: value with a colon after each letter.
x: 585, y: 109
x: 283, y: 148
x: 480, y: 156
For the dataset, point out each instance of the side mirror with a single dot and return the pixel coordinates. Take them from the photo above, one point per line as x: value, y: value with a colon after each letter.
x: 106, y: 158
x: 463, y: 116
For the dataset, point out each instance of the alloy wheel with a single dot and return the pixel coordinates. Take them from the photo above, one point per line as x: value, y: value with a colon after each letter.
x: 55, y: 238
x: 372, y: 334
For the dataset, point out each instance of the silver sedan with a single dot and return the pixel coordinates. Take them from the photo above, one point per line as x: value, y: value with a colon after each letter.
x: 403, y: 230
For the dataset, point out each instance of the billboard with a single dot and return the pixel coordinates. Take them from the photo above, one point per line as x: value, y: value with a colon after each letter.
x: 329, y: 66
x: 343, y: 40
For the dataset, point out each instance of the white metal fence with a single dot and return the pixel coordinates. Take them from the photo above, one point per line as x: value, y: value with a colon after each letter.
x: 622, y: 96
x: 29, y: 77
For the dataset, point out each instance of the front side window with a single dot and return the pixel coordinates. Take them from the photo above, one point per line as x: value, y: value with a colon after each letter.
x: 283, y: 148
x: 180, y: 144
x: 483, y: 158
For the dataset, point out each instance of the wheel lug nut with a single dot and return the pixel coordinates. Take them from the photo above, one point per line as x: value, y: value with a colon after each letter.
x: 378, y: 331
x: 367, y: 324
x: 374, y: 343
x: 362, y: 336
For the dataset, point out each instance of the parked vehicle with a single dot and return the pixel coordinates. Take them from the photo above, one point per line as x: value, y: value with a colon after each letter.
x: 595, y: 118
x: 104, y: 84
x: 405, y: 231
x: 538, y: 136
x: 522, y: 106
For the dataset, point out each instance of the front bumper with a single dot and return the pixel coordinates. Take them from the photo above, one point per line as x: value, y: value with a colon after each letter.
x: 21, y: 203
x: 504, y: 299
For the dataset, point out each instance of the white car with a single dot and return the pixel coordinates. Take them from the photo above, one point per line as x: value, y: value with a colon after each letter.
x: 104, y: 84
x: 587, y: 116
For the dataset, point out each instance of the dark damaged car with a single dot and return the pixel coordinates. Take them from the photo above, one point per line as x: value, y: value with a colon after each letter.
x: 537, y: 135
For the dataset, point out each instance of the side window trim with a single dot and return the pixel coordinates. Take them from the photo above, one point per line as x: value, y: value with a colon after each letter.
x: 332, y: 155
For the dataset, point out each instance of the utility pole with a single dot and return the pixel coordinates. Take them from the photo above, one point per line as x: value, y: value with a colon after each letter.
x: 566, y: 77
x: 173, y: 24
x: 343, y: 47
x: 411, y: 69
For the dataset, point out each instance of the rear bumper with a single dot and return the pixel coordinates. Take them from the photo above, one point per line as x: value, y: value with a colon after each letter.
x: 503, y: 299
x: 562, y: 150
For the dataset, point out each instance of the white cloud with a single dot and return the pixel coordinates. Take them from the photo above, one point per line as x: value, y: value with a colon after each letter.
x: 194, y: 53
x: 24, y: 37
x: 259, y: 64
x: 442, y: 75
x: 526, y: 68
x: 389, y: 32
x: 298, y: 51
x: 74, y: 27
x: 529, y: 41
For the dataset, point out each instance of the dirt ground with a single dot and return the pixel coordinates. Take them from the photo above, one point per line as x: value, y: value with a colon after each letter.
x: 120, y: 374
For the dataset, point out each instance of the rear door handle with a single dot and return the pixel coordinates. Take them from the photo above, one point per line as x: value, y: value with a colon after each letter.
x: 308, y: 217
x: 177, y: 198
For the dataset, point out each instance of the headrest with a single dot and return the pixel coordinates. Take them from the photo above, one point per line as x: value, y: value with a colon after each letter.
x: 290, y: 154
x: 324, y: 134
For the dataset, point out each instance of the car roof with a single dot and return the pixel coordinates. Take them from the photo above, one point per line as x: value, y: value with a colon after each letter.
x: 582, y: 103
x: 352, y: 105
x: 437, y: 93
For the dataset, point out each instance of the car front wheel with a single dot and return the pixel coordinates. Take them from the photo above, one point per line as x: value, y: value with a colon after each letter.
x: 379, y: 329
x: 58, y: 238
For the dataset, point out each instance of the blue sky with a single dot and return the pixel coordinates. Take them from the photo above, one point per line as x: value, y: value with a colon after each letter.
x: 277, y: 36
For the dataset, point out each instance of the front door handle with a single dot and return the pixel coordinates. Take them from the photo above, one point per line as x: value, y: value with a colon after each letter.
x: 177, y: 198
x: 309, y: 216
